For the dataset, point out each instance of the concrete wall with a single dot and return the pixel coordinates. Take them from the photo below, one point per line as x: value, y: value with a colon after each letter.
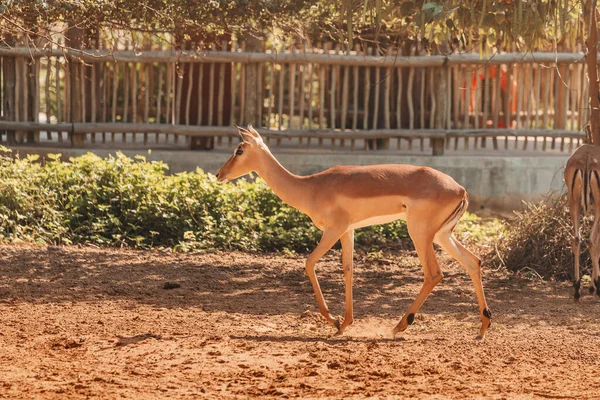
x: 494, y: 183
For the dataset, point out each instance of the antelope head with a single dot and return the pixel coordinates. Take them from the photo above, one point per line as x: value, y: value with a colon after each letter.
x: 246, y: 157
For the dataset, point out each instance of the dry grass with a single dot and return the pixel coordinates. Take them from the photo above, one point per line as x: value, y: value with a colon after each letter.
x: 538, y: 241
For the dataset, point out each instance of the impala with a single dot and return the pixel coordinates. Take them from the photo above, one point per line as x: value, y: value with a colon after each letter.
x: 583, y: 182
x: 342, y: 199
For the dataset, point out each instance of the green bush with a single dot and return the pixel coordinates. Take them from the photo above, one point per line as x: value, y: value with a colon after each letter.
x: 119, y: 201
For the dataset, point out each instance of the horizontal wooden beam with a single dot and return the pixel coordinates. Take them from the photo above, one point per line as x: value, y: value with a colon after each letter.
x: 227, y: 131
x: 35, y: 126
x: 493, y: 132
x: 317, y: 57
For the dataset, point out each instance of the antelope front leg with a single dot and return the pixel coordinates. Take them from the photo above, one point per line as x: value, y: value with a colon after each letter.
x: 347, y: 260
x: 330, y: 236
x: 574, y: 183
x: 575, y: 245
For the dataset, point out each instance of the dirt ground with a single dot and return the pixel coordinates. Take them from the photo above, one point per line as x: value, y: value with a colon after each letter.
x: 95, y: 323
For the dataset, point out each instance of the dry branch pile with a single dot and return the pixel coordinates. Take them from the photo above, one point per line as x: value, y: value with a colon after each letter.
x: 538, y: 241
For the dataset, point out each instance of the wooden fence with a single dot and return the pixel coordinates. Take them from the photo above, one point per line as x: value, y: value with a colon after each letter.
x: 320, y: 97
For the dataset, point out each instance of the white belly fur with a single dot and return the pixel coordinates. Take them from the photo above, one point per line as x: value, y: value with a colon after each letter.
x: 378, y: 220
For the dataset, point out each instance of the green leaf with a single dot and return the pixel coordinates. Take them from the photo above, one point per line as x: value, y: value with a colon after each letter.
x: 429, y: 6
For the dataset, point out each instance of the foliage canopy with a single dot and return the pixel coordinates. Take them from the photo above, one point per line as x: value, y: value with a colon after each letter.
x: 461, y: 24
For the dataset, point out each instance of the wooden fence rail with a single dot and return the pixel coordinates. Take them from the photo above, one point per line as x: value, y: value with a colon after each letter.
x: 315, y: 56
x: 188, y: 99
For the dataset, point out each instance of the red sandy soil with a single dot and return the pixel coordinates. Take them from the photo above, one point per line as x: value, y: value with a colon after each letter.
x: 94, y: 323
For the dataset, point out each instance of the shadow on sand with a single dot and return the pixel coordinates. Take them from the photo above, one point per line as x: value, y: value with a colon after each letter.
x: 266, y: 284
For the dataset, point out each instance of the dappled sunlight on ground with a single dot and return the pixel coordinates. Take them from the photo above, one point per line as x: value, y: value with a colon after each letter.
x: 95, y: 323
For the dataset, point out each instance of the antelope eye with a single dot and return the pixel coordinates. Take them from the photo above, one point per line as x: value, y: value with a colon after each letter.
x: 239, y: 152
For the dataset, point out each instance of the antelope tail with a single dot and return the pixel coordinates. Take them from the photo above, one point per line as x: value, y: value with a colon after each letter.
x: 587, y: 178
x: 460, y: 209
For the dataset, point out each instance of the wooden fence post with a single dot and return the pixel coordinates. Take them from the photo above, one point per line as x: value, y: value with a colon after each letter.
x: 561, y: 96
x: 209, y: 81
x: 441, y: 82
x: 9, y: 106
x: 75, y: 38
x: 9, y: 72
x: 252, y: 90
x: 33, y: 96
x: 442, y: 104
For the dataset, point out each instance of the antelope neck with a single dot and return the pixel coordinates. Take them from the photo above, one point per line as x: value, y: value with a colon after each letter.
x: 290, y: 188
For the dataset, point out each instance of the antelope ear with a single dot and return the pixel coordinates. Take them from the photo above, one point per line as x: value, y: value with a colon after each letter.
x: 246, y: 136
x: 254, y: 133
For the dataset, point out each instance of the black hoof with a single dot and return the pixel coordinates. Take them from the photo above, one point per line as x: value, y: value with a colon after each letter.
x: 338, y: 324
x: 577, y: 287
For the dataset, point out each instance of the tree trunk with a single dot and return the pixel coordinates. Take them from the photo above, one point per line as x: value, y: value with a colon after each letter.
x: 591, y: 60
